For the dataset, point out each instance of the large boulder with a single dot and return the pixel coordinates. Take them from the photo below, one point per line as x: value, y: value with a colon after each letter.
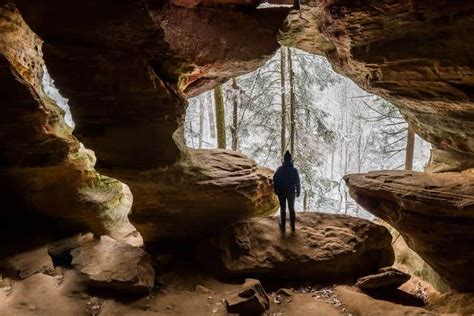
x: 114, y: 265
x: 433, y: 212
x: 325, y: 247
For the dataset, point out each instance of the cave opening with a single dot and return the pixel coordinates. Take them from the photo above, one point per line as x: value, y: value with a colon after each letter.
x: 340, y: 128
x: 51, y: 91
x: 180, y: 213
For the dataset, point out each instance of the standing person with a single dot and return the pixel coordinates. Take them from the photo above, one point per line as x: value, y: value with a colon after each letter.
x: 286, y: 184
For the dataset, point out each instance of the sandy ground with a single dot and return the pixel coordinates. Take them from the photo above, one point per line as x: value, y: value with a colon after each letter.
x: 182, y: 288
x: 189, y: 291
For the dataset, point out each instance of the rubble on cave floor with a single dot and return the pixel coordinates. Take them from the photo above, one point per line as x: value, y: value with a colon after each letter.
x: 183, y: 287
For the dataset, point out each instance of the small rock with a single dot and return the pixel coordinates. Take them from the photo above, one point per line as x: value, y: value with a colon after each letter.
x: 387, y: 278
x: 251, y: 299
x: 285, y: 292
x: 202, y: 289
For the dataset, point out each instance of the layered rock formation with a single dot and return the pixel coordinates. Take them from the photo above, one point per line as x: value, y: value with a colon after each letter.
x: 127, y: 79
x: 414, y: 53
x: 433, y: 213
x: 127, y: 68
x: 199, y: 195
x: 42, y: 166
x: 326, y: 247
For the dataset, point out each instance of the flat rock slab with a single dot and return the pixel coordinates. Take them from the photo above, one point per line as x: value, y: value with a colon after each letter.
x: 361, y: 304
x: 325, y: 247
x: 387, y: 278
x: 115, y: 265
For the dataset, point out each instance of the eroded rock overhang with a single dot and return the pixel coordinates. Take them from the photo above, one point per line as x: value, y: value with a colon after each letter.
x: 128, y: 67
x: 416, y: 54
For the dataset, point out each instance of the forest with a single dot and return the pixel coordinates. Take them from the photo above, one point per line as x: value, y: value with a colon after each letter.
x: 297, y: 102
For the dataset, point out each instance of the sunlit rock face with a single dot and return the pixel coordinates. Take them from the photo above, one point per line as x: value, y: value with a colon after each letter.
x: 196, y: 197
x: 416, y: 54
x: 433, y: 212
x: 43, y: 168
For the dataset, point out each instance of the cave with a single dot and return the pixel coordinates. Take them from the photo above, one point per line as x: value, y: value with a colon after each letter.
x: 105, y: 211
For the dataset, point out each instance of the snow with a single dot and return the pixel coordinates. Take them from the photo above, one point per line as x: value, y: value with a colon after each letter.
x: 52, y: 92
x: 341, y: 129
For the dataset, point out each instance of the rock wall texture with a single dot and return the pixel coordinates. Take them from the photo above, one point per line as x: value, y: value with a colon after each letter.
x: 211, y: 188
x: 126, y: 80
x: 42, y: 166
x: 433, y: 212
x: 127, y: 67
x: 414, y: 53
x: 326, y: 247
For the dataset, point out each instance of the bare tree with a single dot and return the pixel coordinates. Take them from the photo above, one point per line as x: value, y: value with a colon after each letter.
x: 210, y: 111
x: 220, y: 117
x: 410, y: 148
x: 235, y: 117
x: 201, y: 123
x: 292, y: 104
x: 283, y: 101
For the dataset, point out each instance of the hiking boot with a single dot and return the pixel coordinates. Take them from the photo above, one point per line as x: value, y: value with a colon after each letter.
x: 293, y: 228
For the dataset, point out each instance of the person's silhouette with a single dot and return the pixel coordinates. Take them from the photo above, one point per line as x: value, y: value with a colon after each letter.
x: 286, y: 184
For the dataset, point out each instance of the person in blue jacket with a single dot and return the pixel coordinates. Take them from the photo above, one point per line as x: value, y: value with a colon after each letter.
x: 286, y: 184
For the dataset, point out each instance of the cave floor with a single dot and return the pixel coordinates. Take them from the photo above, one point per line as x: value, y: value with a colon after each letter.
x: 185, y: 290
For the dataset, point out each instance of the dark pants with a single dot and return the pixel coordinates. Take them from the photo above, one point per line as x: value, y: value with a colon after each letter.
x: 290, y: 197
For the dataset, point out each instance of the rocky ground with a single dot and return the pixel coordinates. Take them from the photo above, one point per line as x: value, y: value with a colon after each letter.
x: 64, y: 275
x: 188, y: 291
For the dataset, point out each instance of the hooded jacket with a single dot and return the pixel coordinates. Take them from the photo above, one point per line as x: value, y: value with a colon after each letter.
x: 286, y: 179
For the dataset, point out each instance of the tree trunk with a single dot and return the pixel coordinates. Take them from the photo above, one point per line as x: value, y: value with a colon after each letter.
x: 220, y: 117
x: 191, y: 133
x: 305, y: 201
x: 292, y: 105
x: 235, y: 118
x: 201, y: 123
x: 283, y: 101
x: 410, y: 149
x: 210, y: 111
